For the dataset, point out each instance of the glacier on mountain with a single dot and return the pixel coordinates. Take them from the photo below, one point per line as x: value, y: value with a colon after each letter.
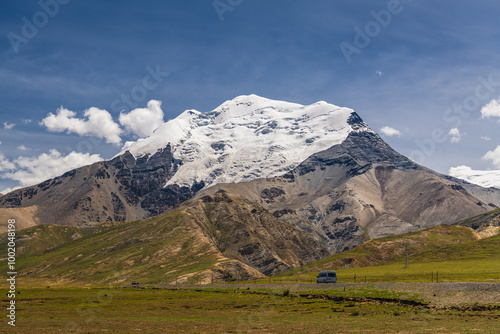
x: 246, y: 138
x: 483, y: 178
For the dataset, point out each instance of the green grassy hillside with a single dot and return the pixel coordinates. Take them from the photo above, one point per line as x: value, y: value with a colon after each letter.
x: 45, y: 237
x: 154, y: 250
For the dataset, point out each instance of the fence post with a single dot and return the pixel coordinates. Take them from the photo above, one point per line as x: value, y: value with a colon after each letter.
x: 365, y: 278
x: 354, y: 278
x: 437, y: 276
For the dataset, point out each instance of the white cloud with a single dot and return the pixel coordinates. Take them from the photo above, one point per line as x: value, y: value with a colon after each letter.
x: 389, y: 131
x: 33, y: 170
x: 98, y: 123
x: 484, y: 178
x: 460, y: 170
x: 494, y: 156
x: 143, y: 121
x: 455, y: 135
x: 486, y: 138
x: 492, y: 109
x: 5, y: 164
x: 8, y: 125
x: 8, y: 190
x: 22, y: 148
x: 380, y: 73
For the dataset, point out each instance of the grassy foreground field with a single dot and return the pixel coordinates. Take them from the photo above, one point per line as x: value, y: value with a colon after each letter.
x: 241, y: 310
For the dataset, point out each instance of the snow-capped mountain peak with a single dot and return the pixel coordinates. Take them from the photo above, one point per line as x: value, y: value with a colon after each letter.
x: 248, y: 104
x: 246, y: 138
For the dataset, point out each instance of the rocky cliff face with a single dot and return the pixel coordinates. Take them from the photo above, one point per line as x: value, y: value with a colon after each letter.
x: 247, y: 232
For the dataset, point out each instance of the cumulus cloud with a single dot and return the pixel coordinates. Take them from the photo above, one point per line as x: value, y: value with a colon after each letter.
x: 143, y: 121
x: 455, y: 135
x: 485, y: 138
x: 5, y: 164
x: 97, y: 123
x: 379, y: 73
x: 492, y: 109
x: 8, y: 125
x: 494, y: 156
x: 33, y: 170
x: 460, y: 170
x: 22, y: 148
x: 389, y: 131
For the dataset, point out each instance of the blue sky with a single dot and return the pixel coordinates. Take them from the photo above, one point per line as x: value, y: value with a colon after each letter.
x: 423, y: 70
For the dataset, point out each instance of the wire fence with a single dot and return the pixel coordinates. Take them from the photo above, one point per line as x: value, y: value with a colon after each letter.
x: 429, y: 277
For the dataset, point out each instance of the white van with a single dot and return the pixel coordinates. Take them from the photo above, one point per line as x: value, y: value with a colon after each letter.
x: 327, y: 277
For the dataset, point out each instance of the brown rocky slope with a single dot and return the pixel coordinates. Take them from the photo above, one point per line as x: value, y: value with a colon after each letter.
x: 360, y: 190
